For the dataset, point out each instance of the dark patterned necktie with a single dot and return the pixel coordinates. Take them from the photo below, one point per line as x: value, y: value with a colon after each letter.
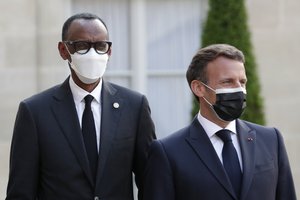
x: 230, y: 160
x: 89, y: 135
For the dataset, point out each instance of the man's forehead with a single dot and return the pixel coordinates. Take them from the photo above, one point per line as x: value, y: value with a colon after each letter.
x: 91, y: 27
x: 84, y: 22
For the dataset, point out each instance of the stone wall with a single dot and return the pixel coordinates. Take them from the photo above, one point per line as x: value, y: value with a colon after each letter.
x: 29, y: 60
x: 275, y: 28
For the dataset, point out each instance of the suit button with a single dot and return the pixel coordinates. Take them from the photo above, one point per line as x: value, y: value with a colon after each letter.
x: 96, y: 198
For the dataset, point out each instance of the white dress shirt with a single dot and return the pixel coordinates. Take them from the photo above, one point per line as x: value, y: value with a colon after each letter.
x: 78, y: 96
x: 211, y: 128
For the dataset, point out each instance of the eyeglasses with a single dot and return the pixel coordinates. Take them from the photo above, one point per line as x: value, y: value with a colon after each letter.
x: 82, y: 47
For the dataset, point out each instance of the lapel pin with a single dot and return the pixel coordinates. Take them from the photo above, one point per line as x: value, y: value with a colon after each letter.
x: 250, y: 139
x: 116, y: 105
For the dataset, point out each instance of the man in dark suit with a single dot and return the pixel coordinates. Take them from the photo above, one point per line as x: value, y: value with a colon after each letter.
x: 50, y: 158
x: 195, y: 164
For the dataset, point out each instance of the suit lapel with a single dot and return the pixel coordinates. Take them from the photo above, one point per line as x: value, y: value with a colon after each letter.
x: 112, y: 106
x: 247, y: 139
x: 201, y: 144
x: 65, y: 113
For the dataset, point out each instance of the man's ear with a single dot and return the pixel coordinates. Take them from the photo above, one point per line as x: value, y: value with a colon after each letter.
x: 198, y: 88
x: 63, y: 52
x: 109, y: 52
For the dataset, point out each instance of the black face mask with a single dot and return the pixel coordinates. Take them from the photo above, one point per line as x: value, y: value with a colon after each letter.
x: 230, y: 103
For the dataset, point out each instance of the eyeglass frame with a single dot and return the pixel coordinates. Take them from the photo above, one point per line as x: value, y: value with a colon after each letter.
x: 91, y: 44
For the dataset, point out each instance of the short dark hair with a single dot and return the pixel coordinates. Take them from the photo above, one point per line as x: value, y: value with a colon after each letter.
x: 197, y: 68
x: 86, y: 16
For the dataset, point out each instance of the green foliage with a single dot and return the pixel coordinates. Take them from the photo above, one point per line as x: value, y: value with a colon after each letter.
x: 227, y: 23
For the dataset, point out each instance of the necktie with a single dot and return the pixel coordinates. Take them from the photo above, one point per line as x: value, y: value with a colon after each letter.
x: 89, y: 134
x: 230, y: 160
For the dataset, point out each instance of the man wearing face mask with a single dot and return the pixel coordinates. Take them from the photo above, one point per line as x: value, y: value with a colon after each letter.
x: 218, y: 156
x: 82, y: 139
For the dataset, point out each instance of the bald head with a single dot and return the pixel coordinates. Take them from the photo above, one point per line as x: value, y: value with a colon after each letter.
x: 80, y: 18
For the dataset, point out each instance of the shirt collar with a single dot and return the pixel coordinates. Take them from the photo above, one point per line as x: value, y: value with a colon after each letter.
x: 211, y: 128
x: 79, y: 93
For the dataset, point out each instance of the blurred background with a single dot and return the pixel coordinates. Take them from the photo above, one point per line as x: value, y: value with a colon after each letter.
x: 153, y: 44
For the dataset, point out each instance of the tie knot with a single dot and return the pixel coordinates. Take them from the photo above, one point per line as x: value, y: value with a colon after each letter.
x: 225, y: 135
x: 88, y: 99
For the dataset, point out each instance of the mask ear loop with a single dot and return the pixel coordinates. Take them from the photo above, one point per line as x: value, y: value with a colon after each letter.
x: 204, y: 97
x: 208, y: 87
x: 211, y: 90
x: 67, y: 48
x: 207, y: 102
x: 70, y: 63
x: 210, y: 105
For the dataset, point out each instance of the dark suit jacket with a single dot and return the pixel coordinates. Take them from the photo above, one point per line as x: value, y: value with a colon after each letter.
x: 48, y: 158
x: 185, y: 166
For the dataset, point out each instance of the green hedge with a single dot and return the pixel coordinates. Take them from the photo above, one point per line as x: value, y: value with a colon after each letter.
x: 227, y: 23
